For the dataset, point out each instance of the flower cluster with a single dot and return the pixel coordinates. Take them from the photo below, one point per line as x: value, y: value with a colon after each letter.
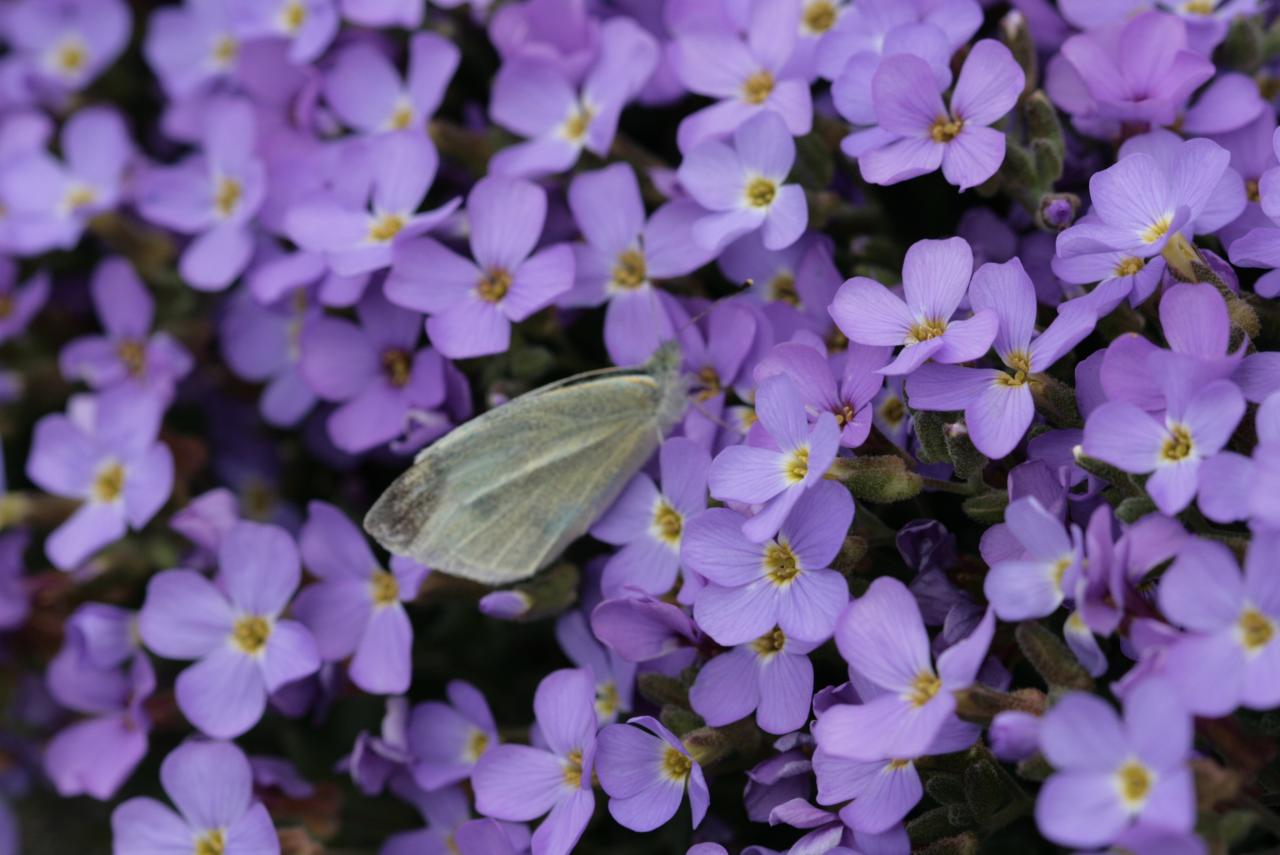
x: 965, y: 541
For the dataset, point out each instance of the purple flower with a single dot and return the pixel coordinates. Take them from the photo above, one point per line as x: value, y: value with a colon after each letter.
x: 521, y: 782
x: 367, y: 93
x: 357, y: 608
x: 65, y: 44
x: 770, y: 676
x: 50, y: 201
x: 882, y: 637
x: 998, y: 405
x: 792, y: 458
x: 876, y: 27
x: 1257, y: 246
x: 1142, y: 202
x: 128, y: 353
x: 742, y: 186
x: 235, y: 629
x: 623, y: 255
x: 1196, y: 425
x: 907, y: 103
x: 211, y: 783
x: 880, y: 793
x: 648, y: 523
x: 533, y: 98
x: 105, y: 453
x: 615, y: 677
x: 1112, y: 773
x: 935, y: 276
x: 642, y: 629
x: 308, y: 25
x: 473, y: 304
x: 645, y: 769
x: 98, y: 672
x: 1227, y: 658
x: 1135, y: 70
x: 263, y: 343
x: 193, y: 45
x: 1034, y: 582
x: 450, y: 828
x: 783, y: 582
x: 213, y: 195
x: 748, y: 76
x: 372, y: 369
x: 358, y: 224
x: 384, y: 13
x: 843, y: 385
x: 446, y: 739
x: 19, y: 304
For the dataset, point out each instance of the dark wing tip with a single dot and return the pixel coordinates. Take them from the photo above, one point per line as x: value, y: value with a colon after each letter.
x: 403, y: 509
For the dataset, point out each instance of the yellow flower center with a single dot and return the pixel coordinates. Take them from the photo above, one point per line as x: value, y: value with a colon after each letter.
x: 607, y: 700
x: 575, y: 127
x: 1158, y: 229
x: 1178, y: 445
x: 1199, y: 7
x: 385, y: 227
x: 212, y: 842
x: 925, y: 330
x: 1129, y: 266
x: 757, y: 88
x: 250, y: 634
x: 760, y: 192
x: 573, y: 769
x: 293, y: 16
x: 401, y: 116
x: 1020, y: 362
x: 79, y: 197
x: 1133, y: 782
x: 923, y: 688
x: 397, y: 365
x: 225, y: 51
x: 227, y: 196
x: 819, y: 16
x: 944, y: 129
x: 1251, y: 190
x: 844, y: 415
x: 893, y: 411
x: 667, y: 523
x: 630, y: 271
x: 385, y: 589
x: 494, y: 285
x: 71, y: 56
x: 896, y: 765
x: 477, y: 744
x: 6, y: 305
x: 780, y: 563
x: 676, y: 765
x: 770, y: 644
x: 1256, y: 629
x: 1060, y: 570
x: 133, y: 354
x: 108, y: 484
x: 797, y: 466
x: 783, y: 287
x: 708, y: 383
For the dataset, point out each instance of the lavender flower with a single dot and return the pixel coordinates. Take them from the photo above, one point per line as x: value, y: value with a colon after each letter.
x: 770, y: 676
x: 367, y: 93
x: 645, y: 769
x: 1113, y: 772
x: 244, y: 648
x: 649, y: 524
x: 520, y: 782
x: 68, y: 43
x: 1036, y: 579
x: 19, y: 303
x: 791, y: 459
x: 211, y: 784
x: 926, y: 134
x: 843, y: 384
x: 128, y: 353
x: 882, y: 637
x: 935, y: 276
x: 447, y: 739
x: 472, y: 305
x: 357, y: 608
x: 743, y: 186
x: 104, y: 453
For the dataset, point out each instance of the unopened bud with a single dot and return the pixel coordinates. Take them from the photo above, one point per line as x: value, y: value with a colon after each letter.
x: 1058, y: 210
x: 882, y: 478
